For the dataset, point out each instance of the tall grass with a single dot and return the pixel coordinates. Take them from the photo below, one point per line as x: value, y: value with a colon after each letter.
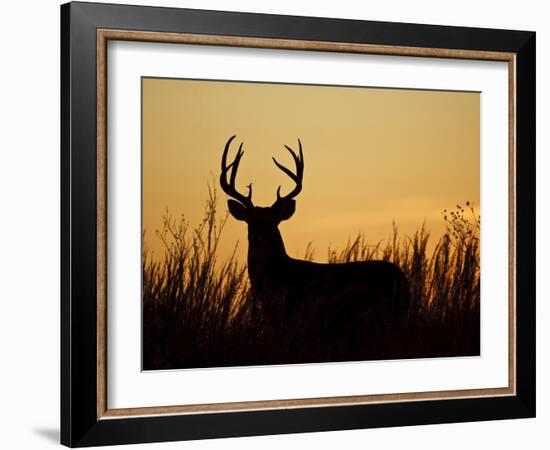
x: 200, y: 312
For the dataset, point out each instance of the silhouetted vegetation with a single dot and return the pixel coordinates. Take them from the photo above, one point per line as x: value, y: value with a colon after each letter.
x: 200, y: 312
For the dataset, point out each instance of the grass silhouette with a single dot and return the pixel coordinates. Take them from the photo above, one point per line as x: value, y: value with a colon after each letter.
x: 200, y: 312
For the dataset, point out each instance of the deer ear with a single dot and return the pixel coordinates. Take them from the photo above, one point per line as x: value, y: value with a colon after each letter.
x: 237, y: 210
x: 284, y: 209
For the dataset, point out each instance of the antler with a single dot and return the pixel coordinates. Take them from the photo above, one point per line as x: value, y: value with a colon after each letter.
x: 296, y: 177
x: 229, y: 188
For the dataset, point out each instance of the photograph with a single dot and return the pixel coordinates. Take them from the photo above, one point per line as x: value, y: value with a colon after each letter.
x: 299, y: 223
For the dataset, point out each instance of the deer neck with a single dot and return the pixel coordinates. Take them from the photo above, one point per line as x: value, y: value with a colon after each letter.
x: 266, y: 252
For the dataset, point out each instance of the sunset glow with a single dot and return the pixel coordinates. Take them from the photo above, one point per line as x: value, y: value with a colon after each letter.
x: 372, y: 156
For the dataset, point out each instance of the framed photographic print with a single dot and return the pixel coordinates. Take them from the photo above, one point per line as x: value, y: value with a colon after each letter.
x: 276, y: 224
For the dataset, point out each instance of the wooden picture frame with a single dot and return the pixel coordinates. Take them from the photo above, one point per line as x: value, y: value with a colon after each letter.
x: 86, y: 418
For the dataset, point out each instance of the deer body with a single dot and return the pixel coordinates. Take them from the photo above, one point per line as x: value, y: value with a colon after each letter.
x: 338, y: 295
x: 357, y: 286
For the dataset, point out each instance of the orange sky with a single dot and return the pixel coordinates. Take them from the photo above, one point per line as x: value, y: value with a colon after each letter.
x: 371, y: 156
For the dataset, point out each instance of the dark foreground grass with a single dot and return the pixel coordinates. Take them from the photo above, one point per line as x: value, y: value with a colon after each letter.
x: 200, y: 312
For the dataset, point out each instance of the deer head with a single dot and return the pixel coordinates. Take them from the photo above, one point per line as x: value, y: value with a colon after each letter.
x: 266, y: 249
x: 241, y: 206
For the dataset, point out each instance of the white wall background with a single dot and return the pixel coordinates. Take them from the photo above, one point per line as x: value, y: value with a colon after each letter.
x: 29, y: 223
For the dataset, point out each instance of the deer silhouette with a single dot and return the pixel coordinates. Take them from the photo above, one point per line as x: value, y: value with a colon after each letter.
x: 340, y: 296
